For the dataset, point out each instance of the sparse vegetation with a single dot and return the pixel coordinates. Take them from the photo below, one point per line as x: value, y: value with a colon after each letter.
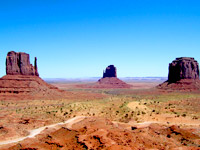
x: 116, y: 106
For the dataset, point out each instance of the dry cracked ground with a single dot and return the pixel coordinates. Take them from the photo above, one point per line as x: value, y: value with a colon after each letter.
x: 119, y: 119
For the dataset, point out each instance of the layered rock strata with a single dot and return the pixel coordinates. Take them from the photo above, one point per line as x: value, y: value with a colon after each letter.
x: 183, y: 75
x: 110, y: 71
x: 22, y: 80
x: 109, y: 80
x: 183, y: 68
x: 19, y: 64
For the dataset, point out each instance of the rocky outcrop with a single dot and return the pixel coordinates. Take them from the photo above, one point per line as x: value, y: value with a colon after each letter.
x: 109, y: 80
x: 23, y: 82
x: 183, y: 75
x: 183, y: 68
x: 19, y: 64
x: 110, y: 71
x: 102, y: 133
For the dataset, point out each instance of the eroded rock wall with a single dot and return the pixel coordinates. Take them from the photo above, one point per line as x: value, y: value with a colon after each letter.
x: 19, y: 64
x: 183, y: 68
x: 110, y: 71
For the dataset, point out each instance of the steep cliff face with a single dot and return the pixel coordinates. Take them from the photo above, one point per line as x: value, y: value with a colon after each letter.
x: 183, y: 75
x: 19, y: 64
x: 110, y: 71
x: 108, y: 81
x: 183, y: 68
x: 23, y: 82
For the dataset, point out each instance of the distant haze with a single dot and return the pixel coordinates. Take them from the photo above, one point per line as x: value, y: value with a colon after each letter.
x: 95, y: 79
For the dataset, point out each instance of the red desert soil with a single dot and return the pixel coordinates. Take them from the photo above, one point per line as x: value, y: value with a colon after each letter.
x: 98, y: 133
x: 23, y: 87
x: 181, y: 85
x: 109, y: 82
x: 85, y: 85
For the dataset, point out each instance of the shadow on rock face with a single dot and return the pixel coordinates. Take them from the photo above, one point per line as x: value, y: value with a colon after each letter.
x: 183, y: 75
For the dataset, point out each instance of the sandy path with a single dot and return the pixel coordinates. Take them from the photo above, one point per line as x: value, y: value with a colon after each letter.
x: 35, y: 132
x: 136, y: 105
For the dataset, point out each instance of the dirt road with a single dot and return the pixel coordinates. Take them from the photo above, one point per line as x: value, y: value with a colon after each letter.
x: 35, y: 132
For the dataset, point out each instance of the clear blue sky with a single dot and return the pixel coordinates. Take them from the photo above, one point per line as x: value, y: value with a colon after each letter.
x: 79, y: 38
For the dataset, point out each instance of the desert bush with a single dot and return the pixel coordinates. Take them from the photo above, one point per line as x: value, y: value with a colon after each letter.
x: 183, y: 115
x: 138, y: 113
x: 195, y: 117
x: 143, y: 113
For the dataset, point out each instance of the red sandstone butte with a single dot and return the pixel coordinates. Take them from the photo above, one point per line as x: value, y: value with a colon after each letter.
x: 109, y: 80
x: 19, y: 64
x: 111, y: 71
x: 183, y: 75
x: 23, y: 82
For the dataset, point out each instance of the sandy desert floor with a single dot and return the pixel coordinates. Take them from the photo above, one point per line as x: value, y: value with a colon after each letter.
x: 137, y: 118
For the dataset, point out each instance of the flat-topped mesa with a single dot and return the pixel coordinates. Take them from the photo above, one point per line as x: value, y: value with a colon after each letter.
x: 183, y: 75
x: 110, y: 71
x: 19, y: 64
x: 183, y: 68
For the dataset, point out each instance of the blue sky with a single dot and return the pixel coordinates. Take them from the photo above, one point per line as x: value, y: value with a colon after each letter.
x: 80, y: 38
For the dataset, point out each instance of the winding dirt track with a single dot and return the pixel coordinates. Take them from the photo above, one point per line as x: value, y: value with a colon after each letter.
x: 35, y: 132
x: 69, y: 124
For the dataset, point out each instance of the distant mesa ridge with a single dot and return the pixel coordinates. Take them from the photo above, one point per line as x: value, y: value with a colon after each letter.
x: 23, y: 78
x: 183, y: 75
x: 19, y: 64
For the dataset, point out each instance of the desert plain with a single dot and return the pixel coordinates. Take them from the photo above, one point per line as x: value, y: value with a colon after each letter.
x: 141, y: 117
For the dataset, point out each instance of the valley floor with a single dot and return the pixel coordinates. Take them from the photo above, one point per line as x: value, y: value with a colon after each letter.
x: 137, y: 118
